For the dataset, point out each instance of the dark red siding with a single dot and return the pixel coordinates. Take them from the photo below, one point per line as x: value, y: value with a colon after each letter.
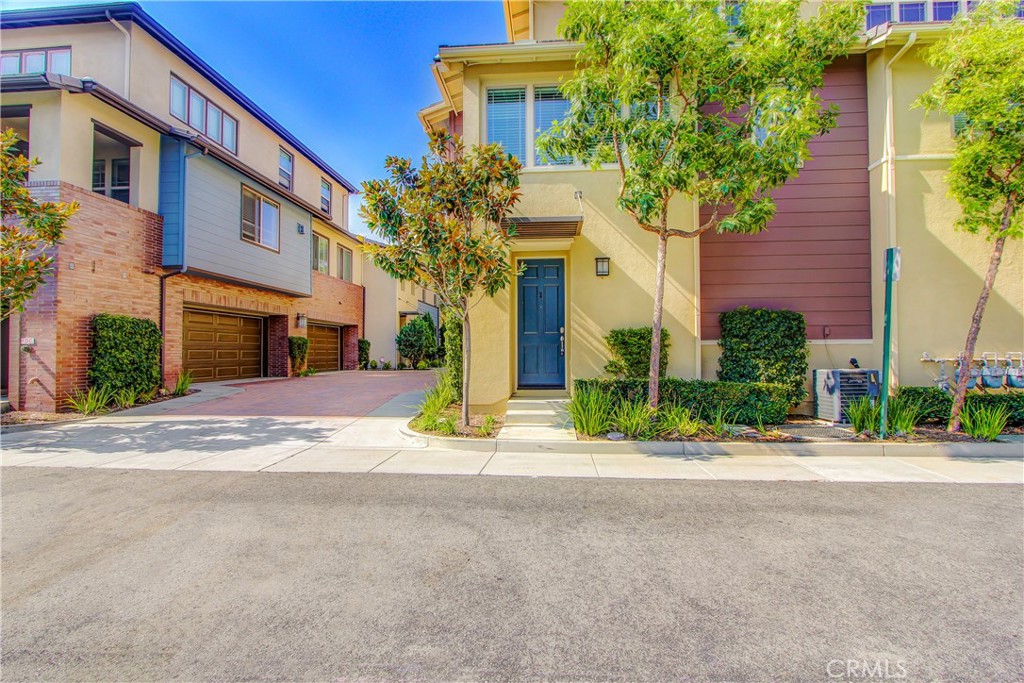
x: 815, y: 256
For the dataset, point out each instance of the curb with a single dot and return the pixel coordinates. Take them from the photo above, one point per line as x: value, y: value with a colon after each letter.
x: 705, y: 448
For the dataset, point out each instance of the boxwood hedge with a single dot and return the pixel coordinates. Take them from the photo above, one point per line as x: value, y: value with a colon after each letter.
x: 764, y: 345
x: 125, y: 353
x: 742, y: 402
x: 936, y: 403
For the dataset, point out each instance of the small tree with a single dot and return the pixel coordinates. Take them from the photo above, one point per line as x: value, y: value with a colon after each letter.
x: 444, y: 225
x: 30, y: 227
x: 417, y: 339
x: 688, y: 100
x: 981, y: 82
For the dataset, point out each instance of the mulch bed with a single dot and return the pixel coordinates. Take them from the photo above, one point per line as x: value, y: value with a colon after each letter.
x: 475, y: 421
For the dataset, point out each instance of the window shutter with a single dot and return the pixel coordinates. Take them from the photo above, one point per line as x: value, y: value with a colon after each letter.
x: 506, y: 120
x: 549, y: 106
x: 250, y: 210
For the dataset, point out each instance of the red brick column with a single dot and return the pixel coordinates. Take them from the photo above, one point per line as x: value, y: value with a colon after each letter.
x: 277, y: 346
x: 350, y: 347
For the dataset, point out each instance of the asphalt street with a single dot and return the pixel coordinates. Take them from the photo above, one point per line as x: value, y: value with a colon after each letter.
x: 139, y: 575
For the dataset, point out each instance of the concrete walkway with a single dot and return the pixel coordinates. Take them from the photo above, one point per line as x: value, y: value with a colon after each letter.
x: 537, y: 418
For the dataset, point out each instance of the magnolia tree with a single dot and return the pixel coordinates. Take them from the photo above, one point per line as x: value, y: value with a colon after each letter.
x: 981, y: 79
x: 443, y: 225
x: 689, y: 101
x: 30, y: 227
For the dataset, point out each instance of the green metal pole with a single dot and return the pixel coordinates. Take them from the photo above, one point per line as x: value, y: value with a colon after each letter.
x: 890, y: 258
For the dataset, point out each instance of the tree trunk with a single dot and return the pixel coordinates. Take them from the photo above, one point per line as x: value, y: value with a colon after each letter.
x: 659, y: 305
x: 465, y: 365
x: 972, y: 334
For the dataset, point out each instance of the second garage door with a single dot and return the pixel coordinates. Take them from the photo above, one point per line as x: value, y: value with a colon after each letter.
x: 324, y: 347
x: 221, y: 346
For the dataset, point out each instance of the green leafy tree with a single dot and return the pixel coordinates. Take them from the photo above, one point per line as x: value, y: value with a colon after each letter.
x: 981, y: 80
x: 687, y: 100
x: 30, y: 228
x: 443, y: 225
x: 417, y: 340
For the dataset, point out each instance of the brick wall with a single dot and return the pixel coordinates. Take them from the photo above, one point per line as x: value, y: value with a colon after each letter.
x: 110, y: 262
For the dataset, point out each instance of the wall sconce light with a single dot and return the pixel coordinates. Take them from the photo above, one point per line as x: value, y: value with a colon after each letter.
x: 603, y: 266
x: 300, y: 321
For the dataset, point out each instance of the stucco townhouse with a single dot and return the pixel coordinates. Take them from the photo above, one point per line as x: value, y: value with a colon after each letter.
x: 390, y: 304
x: 876, y: 180
x: 198, y: 209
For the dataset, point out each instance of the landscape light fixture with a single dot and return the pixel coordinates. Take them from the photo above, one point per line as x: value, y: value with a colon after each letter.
x: 603, y: 266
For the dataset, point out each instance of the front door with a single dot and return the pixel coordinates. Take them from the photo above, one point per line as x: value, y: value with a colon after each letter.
x: 541, y: 293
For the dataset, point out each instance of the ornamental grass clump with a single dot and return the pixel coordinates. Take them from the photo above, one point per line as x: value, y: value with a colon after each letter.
x: 984, y: 422
x: 591, y: 410
x: 634, y: 419
x: 864, y: 415
x: 678, y: 420
x: 95, y: 400
x: 903, y: 416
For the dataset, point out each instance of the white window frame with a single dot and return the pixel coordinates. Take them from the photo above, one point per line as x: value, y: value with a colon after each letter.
x: 258, y: 226
x: 342, y: 252
x: 208, y: 105
x: 47, y: 53
x: 529, y: 164
x: 329, y: 199
x: 324, y: 265
x: 282, y: 174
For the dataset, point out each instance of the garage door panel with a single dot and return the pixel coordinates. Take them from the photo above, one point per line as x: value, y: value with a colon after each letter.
x: 324, y: 347
x: 220, y: 346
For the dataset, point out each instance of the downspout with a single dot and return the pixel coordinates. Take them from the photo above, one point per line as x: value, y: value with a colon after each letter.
x: 184, y: 252
x: 890, y: 168
x: 127, y: 53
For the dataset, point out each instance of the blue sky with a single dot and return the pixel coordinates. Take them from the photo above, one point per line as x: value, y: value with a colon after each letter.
x: 347, y: 78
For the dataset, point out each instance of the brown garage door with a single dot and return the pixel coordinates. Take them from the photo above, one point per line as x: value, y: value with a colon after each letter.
x: 324, y: 347
x: 221, y: 346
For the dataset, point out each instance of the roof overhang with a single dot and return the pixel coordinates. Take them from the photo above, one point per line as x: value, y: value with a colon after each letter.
x: 545, y: 227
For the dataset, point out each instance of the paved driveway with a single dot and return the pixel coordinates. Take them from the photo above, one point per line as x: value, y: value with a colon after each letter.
x: 333, y: 394
x: 155, y: 576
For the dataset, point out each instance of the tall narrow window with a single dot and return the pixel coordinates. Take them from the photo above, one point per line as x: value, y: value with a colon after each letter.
x: 260, y: 219
x: 506, y: 120
x: 213, y: 122
x: 59, y: 61
x: 325, y: 196
x: 99, y: 176
x: 345, y: 263
x: 120, y: 179
x: 196, y: 111
x: 285, y: 168
x: 230, y: 136
x: 549, y: 106
x: 179, y: 100
x: 321, y: 254
x: 879, y: 14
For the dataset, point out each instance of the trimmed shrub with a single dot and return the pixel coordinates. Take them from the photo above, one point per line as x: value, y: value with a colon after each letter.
x: 364, y: 354
x: 744, y: 402
x: 762, y: 345
x: 631, y: 352
x: 298, y: 350
x: 125, y: 353
x: 417, y: 339
x: 453, y: 351
x: 936, y: 404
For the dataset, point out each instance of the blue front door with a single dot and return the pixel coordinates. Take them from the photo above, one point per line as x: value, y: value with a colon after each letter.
x: 541, y: 291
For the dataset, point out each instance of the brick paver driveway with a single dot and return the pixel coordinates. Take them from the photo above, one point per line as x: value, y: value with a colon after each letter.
x: 334, y: 394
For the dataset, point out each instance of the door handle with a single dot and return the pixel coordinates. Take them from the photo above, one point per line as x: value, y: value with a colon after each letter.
x: 561, y: 341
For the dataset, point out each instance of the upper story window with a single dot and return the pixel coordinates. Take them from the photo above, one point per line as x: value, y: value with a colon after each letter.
x: 191, y: 107
x: 506, y: 120
x: 913, y: 11
x: 321, y: 254
x: 345, y: 263
x: 549, y: 105
x: 55, y: 60
x: 261, y: 219
x: 879, y: 13
x: 945, y: 11
x: 325, y: 196
x: 285, y: 168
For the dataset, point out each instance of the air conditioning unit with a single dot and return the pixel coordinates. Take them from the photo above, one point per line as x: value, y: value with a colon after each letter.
x: 835, y: 390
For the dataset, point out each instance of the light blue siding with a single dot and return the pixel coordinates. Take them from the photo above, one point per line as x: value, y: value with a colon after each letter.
x: 171, y: 199
x: 214, y: 243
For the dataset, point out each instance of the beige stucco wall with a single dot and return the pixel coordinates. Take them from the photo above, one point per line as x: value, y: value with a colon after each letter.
x: 98, y: 52
x: 381, y: 312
